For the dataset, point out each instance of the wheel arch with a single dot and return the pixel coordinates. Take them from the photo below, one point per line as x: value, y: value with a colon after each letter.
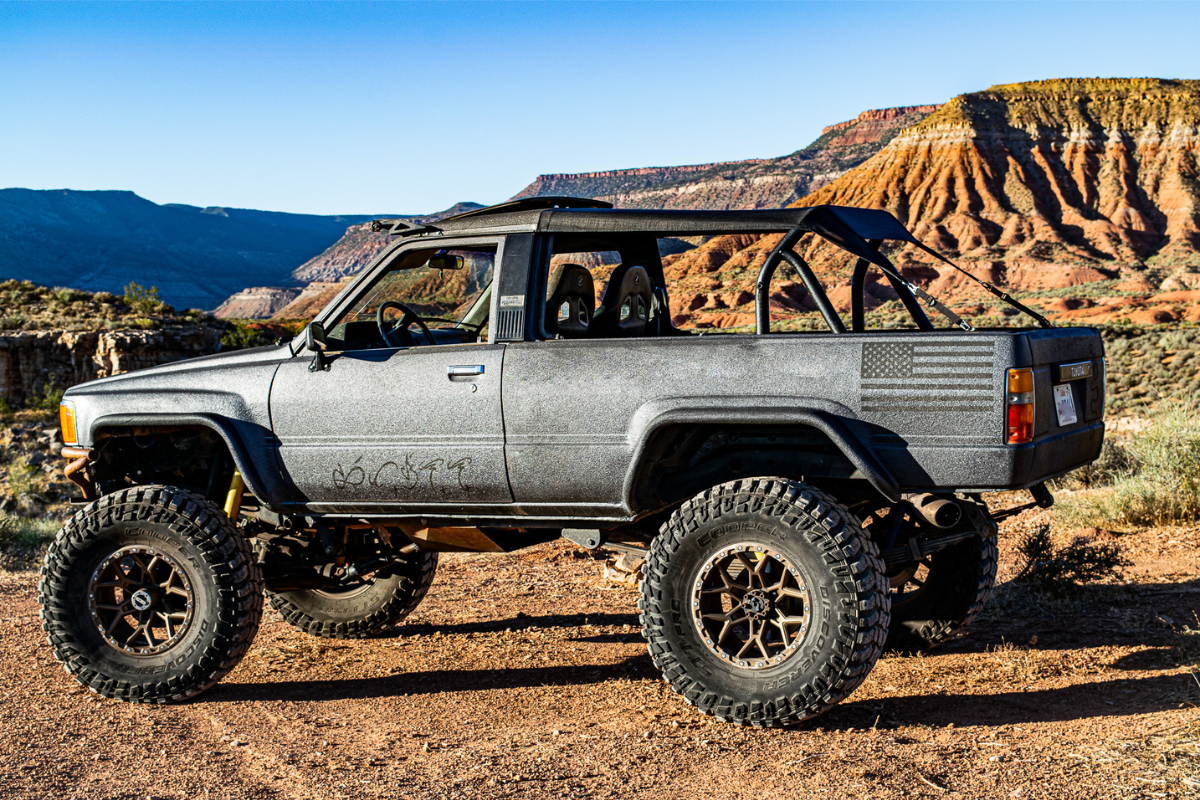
x: 660, y: 421
x: 225, y: 431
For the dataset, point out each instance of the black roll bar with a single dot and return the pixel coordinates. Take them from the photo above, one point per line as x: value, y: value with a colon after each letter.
x: 762, y: 300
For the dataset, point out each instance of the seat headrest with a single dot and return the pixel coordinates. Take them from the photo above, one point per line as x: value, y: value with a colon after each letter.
x: 626, y: 305
x: 572, y: 300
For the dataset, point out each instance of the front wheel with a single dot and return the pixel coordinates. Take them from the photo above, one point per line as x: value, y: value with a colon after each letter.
x: 150, y: 595
x: 763, y: 602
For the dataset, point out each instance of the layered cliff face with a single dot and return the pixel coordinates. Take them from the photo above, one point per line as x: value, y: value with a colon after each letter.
x: 257, y: 302
x: 753, y: 183
x: 1082, y: 191
x: 34, y: 363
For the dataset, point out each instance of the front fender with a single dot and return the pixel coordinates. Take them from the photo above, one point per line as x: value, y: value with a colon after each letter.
x: 824, y: 415
x: 222, y: 427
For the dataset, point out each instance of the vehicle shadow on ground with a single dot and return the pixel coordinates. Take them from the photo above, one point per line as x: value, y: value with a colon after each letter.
x: 1103, y: 698
x: 525, y: 622
x: 434, y: 682
x: 938, y: 709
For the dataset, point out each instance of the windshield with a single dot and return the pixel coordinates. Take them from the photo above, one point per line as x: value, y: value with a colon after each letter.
x: 448, y: 291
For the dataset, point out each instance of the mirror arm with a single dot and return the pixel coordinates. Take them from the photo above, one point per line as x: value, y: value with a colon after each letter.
x: 320, y: 362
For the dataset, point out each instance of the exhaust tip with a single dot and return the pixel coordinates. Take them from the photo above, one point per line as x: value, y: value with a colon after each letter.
x: 938, y: 511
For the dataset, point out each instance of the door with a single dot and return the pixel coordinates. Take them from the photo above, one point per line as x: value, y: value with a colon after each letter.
x: 407, y: 416
x: 388, y: 429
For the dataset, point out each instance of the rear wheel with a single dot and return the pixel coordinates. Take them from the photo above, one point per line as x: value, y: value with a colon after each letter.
x: 362, y: 609
x: 936, y: 598
x: 150, y: 595
x: 763, y: 602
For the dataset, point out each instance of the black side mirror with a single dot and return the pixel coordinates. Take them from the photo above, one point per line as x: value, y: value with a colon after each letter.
x: 446, y: 261
x: 315, y: 341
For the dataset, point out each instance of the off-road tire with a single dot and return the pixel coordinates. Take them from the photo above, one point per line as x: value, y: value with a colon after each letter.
x: 839, y: 563
x: 208, y: 548
x: 381, y: 603
x: 958, y: 584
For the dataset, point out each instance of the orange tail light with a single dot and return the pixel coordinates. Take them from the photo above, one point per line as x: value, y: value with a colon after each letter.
x: 1020, y: 406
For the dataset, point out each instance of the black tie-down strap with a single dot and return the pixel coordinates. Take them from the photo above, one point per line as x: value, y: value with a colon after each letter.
x: 831, y: 223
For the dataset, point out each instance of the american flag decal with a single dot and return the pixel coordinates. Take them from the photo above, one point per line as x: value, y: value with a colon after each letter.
x: 928, y: 377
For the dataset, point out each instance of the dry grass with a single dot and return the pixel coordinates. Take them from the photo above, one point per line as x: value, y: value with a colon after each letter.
x: 1154, y: 480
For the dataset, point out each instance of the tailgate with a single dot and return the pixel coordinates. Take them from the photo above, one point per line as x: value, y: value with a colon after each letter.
x: 1068, y: 387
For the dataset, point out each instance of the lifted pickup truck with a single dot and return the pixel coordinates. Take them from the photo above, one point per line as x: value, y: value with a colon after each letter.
x: 799, y: 498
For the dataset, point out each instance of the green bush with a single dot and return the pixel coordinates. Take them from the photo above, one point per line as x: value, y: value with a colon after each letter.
x: 242, y: 335
x: 25, y: 479
x: 26, y: 533
x: 142, y: 300
x: 1158, y: 482
x: 48, y: 397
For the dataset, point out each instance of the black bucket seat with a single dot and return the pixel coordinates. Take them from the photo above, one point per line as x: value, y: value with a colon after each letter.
x: 626, y: 305
x: 572, y: 300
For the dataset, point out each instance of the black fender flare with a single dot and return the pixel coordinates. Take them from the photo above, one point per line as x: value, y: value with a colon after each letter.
x: 217, y: 424
x: 824, y: 415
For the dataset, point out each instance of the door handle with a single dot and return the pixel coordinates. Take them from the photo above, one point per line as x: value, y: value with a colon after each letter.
x: 464, y: 371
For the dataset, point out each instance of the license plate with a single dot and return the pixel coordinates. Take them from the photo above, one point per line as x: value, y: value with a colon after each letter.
x: 1064, y: 404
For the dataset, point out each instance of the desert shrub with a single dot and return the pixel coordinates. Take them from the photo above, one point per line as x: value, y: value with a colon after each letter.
x: 12, y: 321
x: 1158, y: 485
x: 25, y: 532
x: 25, y: 479
x: 242, y: 334
x: 104, y: 298
x: 47, y: 398
x: 142, y: 300
x: 1060, y: 570
x: 66, y: 295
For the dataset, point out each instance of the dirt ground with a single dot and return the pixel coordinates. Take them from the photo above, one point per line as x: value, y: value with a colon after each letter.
x: 525, y: 676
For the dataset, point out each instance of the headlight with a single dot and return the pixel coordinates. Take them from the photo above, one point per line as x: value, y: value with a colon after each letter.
x: 66, y: 423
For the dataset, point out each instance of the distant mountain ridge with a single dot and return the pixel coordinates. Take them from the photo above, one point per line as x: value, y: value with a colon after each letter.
x: 197, y: 257
x: 751, y: 183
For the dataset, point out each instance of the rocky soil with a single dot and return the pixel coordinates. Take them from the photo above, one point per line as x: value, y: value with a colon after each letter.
x: 524, y: 675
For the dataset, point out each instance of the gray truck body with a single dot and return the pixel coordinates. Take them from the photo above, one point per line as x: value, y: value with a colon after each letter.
x: 556, y: 433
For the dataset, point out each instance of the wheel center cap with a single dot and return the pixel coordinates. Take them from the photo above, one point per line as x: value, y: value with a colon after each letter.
x: 756, y: 603
x: 141, y: 600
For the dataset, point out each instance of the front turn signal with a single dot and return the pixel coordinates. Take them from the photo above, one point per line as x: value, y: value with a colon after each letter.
x: 1020, y: 406
x: 66, y: 423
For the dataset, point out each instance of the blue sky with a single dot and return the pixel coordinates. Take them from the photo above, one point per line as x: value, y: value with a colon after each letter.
x: 409, y: 107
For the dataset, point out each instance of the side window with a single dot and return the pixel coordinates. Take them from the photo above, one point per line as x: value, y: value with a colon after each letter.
x: 425, y: 297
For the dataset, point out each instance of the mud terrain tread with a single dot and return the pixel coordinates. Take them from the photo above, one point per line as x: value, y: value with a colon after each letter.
x: 846, y: 546
x: 975, y: 587
x: 405, y: 597
x: 225, y: 550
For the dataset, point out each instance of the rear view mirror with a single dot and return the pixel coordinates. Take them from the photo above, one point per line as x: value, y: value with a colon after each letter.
x: 446, y: 261
x: 315, y: 338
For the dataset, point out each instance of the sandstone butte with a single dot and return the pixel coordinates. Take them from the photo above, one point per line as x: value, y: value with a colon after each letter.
x: 1079, y: 194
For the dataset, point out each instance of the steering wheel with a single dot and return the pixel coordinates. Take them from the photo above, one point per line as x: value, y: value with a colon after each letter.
x: 406, y: 319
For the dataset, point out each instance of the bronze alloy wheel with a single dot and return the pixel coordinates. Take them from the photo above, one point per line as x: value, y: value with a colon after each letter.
x: 140, y: 600
x: 751, y: 606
